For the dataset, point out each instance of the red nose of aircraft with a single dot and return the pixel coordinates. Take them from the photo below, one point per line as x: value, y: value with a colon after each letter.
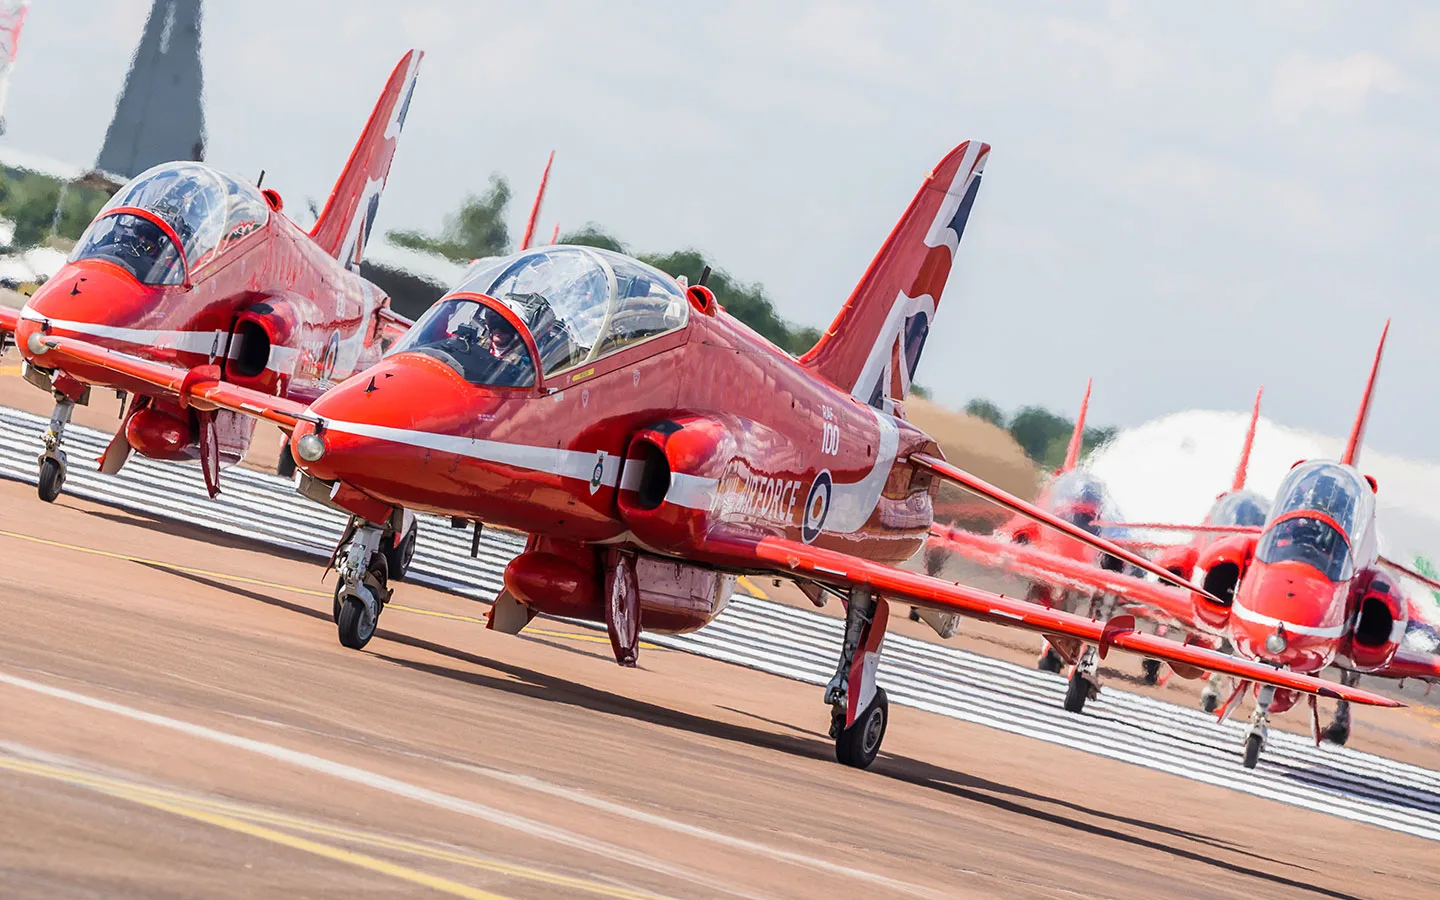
x: 96, y: 302
x: 1290, y: 614
x: 410, y: 431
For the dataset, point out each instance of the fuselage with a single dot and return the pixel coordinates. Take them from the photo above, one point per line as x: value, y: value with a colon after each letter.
x: 768, y: 447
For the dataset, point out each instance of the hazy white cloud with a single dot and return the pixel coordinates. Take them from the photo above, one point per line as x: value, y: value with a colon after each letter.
x: 1345, y: 86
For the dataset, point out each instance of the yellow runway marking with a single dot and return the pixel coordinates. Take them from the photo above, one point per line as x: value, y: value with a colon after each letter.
x: 257, y: 582
x: 752, y: 587
x: 254, y: 822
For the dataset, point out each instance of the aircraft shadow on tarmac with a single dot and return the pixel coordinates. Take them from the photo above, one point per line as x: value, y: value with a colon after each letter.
x: 521, y: 681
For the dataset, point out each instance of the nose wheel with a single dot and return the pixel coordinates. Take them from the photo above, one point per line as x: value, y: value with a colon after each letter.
x: 1258, y: 734
x: 364, y: 587
x: 53, y: 464
x: 1084, y: 682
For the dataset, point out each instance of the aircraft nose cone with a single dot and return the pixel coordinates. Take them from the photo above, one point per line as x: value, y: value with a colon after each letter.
x: 381, y: 426
x: 92, y: 302
x: 1297, y: 602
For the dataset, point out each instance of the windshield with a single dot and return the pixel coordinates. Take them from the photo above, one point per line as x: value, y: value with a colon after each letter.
x: 1307, y: 540
x: 1246, y: 510
x: 580, y: 303
x: 474, y: 339
x: 208, y: 210
x: 1328, y: 488
x: 1078, y: 498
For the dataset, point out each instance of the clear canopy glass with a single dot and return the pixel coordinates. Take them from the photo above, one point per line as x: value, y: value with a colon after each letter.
x: 1244, y: 509
x: 208, y: 210
x: 1336, y: 494
x: 1080, y: 499
x: 473, y: 338
x: 580, y: 303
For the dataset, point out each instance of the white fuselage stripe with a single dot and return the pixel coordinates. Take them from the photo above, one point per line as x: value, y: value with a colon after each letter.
x: 1250, y: 615
x: 201, y: 343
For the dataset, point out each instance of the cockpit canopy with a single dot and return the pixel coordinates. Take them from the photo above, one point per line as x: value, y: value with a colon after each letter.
x: 577, y: 303
x: 208, y: 210
x: 1343, y: 506
x: 1079, y: 498
x: 1243, y: 508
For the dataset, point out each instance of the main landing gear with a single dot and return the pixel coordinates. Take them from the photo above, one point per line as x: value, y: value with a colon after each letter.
x: 52, y: 459
x: 1338, y: 731
x: 1084, y: 682
x: 859, y: 709
x: 368, y: 557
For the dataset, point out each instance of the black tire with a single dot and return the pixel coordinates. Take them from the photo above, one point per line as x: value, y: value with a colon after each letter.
x: 397, y: 559
x: 356, y: 627
x: 1076, y: 692
x: 1209, y: 703
x: 1253, y: 744
x: 1050, y: 661
x: 52, y: 479
x: 1336, y: 734
x: 1151, y: 668
x: 285, y: 466
x: 335, y: 613
x: 859, y: 744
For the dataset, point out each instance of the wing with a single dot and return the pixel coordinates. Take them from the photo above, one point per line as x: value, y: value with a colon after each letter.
x: 1411, y: 664
x: 989, y: 491
x: 1157, y: 601
x: 9, y: 320
x: 1188, y: 529
x: 200, y: 387
x: 797, y: 560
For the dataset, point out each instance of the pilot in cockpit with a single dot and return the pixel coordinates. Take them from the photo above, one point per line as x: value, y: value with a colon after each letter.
x: 502, y: 338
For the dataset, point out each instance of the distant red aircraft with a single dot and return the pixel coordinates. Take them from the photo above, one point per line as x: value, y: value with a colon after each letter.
x: 1299, y: 589
x: 191, y: 267
x: 1069, y: 575
x: 653, y: 448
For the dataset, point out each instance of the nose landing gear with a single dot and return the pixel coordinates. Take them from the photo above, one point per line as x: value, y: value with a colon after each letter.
x: 1338, y: 731
x: 364, y: 587
x: 52, y: 459
x: 1258, y: 734
x: 1084, y: 683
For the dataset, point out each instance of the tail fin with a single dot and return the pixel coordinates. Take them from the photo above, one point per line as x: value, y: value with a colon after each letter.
x: 874, y: 344
x: 555, y: 235
x: 1357, y: 433
x: 344, y: 225
x: 1077, y: 439
x: 535, y: 210
x: 1243, y: 469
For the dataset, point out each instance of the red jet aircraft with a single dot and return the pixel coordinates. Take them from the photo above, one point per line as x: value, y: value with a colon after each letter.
x: 654, y: 448
x: 191, y: 267
x: 1070, y: 575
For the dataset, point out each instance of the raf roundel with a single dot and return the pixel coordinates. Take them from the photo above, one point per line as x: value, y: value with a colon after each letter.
x: 817, y: 507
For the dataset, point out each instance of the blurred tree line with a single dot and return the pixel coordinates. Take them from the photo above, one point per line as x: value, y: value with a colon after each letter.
x: 1042, y: 434
x: 478, y: 229
x: 43, y: 207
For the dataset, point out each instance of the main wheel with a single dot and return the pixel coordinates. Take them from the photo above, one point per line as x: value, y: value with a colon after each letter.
x: 1336, y: 733
x: 1076, y: 692
x: 285, y: 465
x: 1050, y: 661
x: 52, y: 478
x: 1209, y: 702
x: 355, y: 623
x: 859, y: 744
x: 1151, y: 668
x: 398, y: 558
x: 1253, y: 744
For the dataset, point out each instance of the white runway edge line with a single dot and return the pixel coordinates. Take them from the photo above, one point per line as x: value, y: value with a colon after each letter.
x: 356, y: 775
x: 798, y: 644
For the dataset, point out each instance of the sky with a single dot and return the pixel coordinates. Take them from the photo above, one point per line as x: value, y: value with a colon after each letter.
x: 1183, y: 201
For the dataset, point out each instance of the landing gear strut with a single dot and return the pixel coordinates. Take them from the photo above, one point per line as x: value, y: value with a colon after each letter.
x: 364, y: 586
x: 1258, y: 734
x: 1338, y: 731
x: 1210, y: 695
x: 1084, y: 683
x: 52, y: 458
x: 859, y: 709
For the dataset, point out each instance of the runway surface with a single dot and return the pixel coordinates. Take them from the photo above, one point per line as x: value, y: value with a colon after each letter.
x: 188, y: 700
